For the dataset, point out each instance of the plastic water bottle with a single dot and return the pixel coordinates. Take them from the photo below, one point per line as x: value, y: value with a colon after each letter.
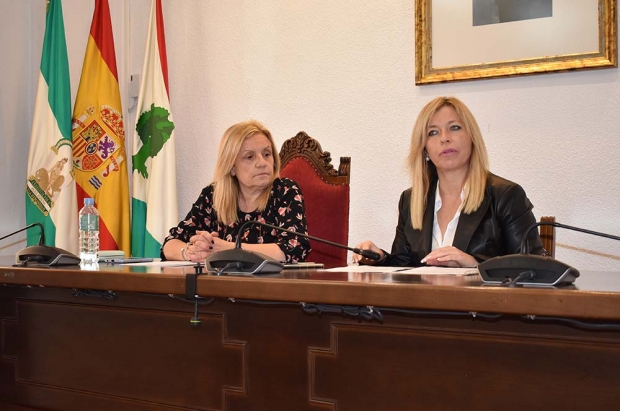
x: 89, y: 232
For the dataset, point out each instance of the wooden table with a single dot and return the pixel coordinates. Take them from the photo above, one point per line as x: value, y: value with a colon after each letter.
x: 120, y: 338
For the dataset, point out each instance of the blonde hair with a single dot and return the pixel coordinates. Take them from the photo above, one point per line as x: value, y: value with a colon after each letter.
x: 226, y: 186
x: 423, y: 171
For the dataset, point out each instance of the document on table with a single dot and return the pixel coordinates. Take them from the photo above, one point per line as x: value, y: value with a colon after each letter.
x: 365, y: 269
x: 440, y: 270
x: 426, y: 270
x: 158, y: 263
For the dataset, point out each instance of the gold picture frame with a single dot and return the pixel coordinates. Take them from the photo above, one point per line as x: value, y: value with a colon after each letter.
x: 427, y: 73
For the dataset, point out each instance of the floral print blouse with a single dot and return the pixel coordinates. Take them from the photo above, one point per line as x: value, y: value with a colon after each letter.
x: 285, y: 208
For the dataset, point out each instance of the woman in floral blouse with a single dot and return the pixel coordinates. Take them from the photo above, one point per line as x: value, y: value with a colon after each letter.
x: 246, y: 187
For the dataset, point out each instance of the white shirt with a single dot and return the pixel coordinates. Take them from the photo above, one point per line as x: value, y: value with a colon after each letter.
x: 448, y: 237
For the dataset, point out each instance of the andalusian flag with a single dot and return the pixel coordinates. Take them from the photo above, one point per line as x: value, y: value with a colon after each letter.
x: 99, y: 155
x: 50, y: 189
x: 154, y: 203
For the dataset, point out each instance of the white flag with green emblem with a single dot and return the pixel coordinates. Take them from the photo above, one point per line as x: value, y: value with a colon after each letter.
x: 50, y: 189
x: 154, y: 199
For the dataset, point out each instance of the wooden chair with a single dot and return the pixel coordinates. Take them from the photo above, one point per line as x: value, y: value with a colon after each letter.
x: 326, y: 195
x: 547, y: 234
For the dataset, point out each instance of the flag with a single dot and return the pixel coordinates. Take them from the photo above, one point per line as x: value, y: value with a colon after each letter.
x: 99, y: 156
x: 50, y: 188
x: 154, y: 200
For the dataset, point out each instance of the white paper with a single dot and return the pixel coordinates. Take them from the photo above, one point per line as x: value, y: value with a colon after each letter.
x: 405, y: 270
x: 163, y: 264
x: 364, y: 269
x: 440, y: 270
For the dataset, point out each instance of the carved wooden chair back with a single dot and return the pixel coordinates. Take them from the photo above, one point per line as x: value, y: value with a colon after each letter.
x: 326, y: 195
x: 547, y: 234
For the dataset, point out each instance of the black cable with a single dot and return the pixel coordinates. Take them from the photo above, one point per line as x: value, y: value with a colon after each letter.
x: 525, y: 275
x: 505, y: 281
x: 472, y: 314
x: 238, y: 265
x: 199, y: 300
x: 367, y: 313
x: 370, y: 313
x: 106, y: 295
x: 576, y: 323
x: 532, y: 318
x: 261, y: 302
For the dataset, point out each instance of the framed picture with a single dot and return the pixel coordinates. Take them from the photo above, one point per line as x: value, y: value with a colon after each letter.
x: 475, y: 39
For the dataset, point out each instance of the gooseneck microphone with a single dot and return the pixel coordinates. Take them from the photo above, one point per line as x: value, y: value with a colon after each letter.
x: 41, y: 236
x: 364, y: 253
x: 525, y: 246
x: 42, y: 255
x: 524, y: 268
x: 250, y: 262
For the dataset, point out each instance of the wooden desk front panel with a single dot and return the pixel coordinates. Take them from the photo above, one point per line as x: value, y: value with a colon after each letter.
x: 139, y: 352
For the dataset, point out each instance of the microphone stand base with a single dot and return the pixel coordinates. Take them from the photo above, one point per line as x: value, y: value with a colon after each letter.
x: 546, y: 270
x: 45, y: 255
x: 239, y: 261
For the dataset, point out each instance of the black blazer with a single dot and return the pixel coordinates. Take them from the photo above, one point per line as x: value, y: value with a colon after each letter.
x: 495, y: 229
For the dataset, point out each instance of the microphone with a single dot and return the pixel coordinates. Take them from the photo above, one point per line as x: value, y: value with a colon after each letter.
x: 525, y: 246
x: 524, y: 268
x: 41, y: 236
x: 42, y: 254
x: 243, y: 261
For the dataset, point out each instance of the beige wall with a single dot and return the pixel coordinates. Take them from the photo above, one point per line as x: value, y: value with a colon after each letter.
x: 344, y: 73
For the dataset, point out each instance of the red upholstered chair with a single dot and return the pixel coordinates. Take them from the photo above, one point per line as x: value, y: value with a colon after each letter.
x: 326, y: 195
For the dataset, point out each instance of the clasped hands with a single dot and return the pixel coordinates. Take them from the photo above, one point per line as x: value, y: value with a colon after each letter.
x: 203, y: 244
x: 444, y: 256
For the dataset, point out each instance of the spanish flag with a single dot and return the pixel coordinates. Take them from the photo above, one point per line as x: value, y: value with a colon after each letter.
x: 154, y: 199
x: 99, y: 156
x: 50, y: 189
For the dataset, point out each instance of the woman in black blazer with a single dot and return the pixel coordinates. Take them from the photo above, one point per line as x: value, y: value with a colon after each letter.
x: 457, y: 213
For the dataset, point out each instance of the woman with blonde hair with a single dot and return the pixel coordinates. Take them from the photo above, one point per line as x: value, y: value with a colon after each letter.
x: 246, y: 186
x: 456, y: 213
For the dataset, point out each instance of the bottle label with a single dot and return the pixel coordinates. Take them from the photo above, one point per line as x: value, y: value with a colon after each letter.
x: 89, y: 222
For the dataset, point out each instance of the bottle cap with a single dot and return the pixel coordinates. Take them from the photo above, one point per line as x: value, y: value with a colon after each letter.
x: 89, y: 201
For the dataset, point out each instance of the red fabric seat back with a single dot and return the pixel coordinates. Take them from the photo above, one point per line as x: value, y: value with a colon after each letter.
x: 327, y: 211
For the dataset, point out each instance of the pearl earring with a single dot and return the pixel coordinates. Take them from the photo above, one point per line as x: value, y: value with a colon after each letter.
x: 426, y: 157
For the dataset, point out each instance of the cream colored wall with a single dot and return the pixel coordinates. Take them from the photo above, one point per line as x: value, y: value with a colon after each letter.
x: 344, y: 73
